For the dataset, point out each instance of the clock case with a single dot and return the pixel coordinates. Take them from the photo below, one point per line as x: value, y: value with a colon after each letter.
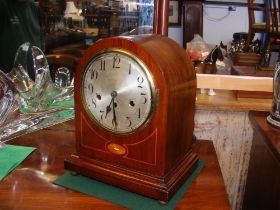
x: 157, y: 158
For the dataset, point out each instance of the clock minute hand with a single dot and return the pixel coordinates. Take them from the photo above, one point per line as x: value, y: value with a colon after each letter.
x: 114, y: 121
x: 108, y: 108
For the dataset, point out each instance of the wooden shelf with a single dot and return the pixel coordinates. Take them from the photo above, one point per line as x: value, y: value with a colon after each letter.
x: 227, y: 100
x: 251, y: 71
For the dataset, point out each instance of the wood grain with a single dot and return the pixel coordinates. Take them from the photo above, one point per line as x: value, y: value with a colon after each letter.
x: 30, y: 186
x: 159, y: 152
x: 224, y: 120
x: 161, y: 10
x: 251, y: 71
x: 231, y: 134
x: 263, y: 186
x: 226, y: 100
x: 229, y: 82
x: 192, y: 20
x: 271, y: 134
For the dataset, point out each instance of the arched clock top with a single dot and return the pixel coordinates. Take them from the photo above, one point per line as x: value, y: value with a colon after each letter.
x: 170, y: 58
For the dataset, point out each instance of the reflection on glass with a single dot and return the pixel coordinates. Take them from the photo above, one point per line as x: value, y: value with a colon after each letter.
x: 37, y: 96
x: 87, y: 21
x: 112, y: 18
x: 27, y: 105
x: 29, y: 123
x: 7, y: 97
x: 62, y: 77
x: 274, y: 117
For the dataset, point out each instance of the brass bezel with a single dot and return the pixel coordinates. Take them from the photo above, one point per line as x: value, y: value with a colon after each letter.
x: 154, y: 94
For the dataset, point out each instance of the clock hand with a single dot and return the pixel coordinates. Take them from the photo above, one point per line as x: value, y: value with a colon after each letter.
x: 114, y: 121
x: 108, y: 108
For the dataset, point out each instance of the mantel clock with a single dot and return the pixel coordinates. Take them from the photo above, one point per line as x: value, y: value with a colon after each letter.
x: 135, y: 105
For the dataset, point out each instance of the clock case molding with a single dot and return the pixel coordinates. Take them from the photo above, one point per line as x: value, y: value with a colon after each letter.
x: 158, y: 157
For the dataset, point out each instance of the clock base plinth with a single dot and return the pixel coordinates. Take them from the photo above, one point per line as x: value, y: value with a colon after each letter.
x: 159, y: 188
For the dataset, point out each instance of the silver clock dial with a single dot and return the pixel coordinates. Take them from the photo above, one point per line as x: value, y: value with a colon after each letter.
x: 117, y: 91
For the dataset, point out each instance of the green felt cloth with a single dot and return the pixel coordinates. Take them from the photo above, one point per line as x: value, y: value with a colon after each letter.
x: 66, y: 103
x: 122, y: 197
x: 11, y: 156
x: 62, y: 103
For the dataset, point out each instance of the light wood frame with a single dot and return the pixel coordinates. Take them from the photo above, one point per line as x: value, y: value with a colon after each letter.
x: 229, y: 82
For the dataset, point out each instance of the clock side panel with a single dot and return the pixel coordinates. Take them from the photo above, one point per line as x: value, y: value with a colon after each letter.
x: 180, y: 78
x: 182, y: 98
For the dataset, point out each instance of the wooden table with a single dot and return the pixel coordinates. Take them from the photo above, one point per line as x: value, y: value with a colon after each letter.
x: 263, y: 187
x: 30, y: 186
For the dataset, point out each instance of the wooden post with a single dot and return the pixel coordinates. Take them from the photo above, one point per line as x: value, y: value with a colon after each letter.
x: 161, y: 8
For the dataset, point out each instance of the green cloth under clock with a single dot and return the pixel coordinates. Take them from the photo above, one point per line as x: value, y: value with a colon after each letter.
x: 116, y: 195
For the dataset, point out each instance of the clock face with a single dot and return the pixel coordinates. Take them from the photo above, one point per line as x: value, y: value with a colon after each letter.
x: 117, y: 91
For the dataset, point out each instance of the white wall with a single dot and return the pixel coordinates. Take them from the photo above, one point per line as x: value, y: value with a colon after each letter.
x: 176, y: 33
x: 218, y: 24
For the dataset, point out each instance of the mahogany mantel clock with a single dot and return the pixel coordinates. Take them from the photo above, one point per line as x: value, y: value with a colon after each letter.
x: 135, y: 104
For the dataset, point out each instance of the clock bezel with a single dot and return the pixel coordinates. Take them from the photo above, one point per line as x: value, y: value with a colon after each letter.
x: 147, y: 74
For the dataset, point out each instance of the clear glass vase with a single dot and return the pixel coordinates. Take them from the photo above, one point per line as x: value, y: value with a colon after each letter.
x: 37, y: 95
x: 27, y: 105
x: 274, y: 117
